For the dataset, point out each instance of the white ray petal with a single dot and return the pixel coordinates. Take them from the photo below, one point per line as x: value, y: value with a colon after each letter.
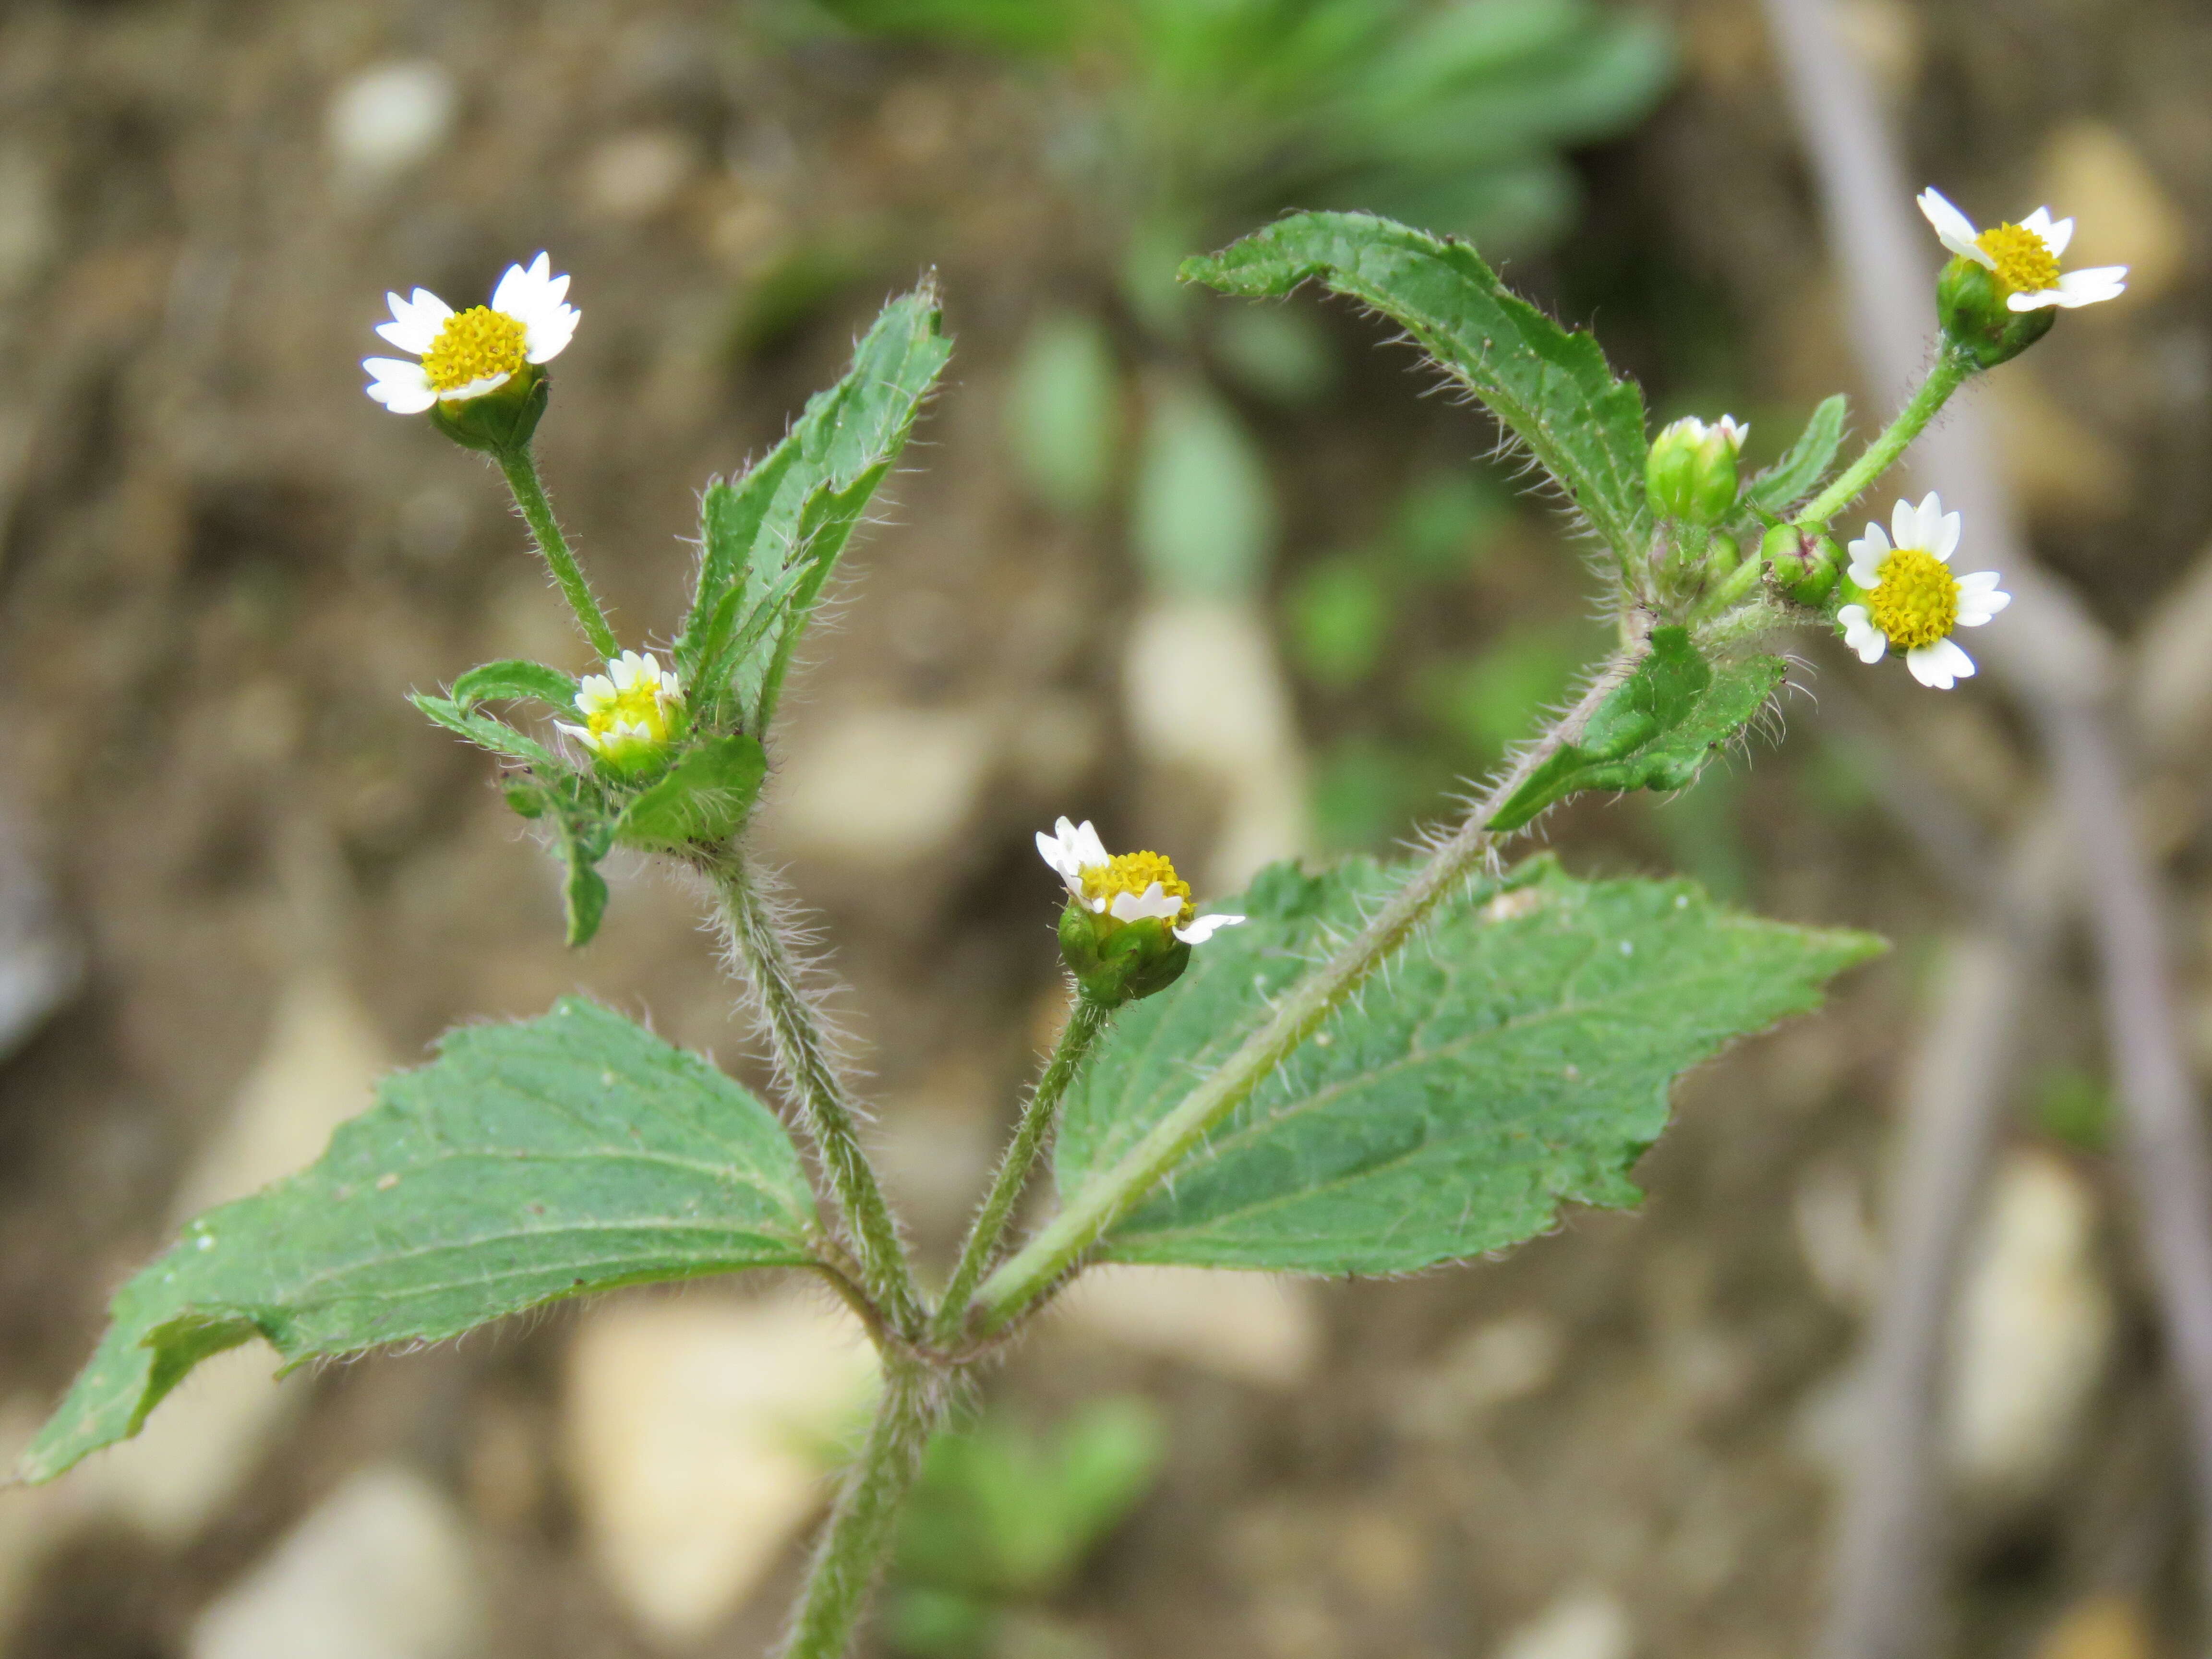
x: 1952, y: 228
x: 1154, y: 901
x: 400, y: 385
x: 1940, y: 666
x: 1204, y: 928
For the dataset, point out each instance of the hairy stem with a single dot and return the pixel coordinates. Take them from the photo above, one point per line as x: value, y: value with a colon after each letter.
x: 849, y: 1556
x: 1085, y: 1023
x: 802, y: 1055
x: 1040, y: 1264
x: 1946, y: 376
x: 521, y: 470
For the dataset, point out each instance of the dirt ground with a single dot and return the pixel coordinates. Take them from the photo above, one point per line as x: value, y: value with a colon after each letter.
x: 223, y: 567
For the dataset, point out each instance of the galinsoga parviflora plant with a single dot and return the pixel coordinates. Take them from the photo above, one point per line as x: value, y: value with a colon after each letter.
x: 1371, y: 1068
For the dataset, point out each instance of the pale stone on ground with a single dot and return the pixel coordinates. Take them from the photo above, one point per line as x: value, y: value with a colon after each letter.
x: 1248, y: 1326
x: 698, y: 1434
x: 1586, y: 1625
x: 389, y: 119
x: 882, y: 788
x: 197, y: 1449
x: 1206, y: 695
x: 382, y: 1569
x: 2033, y: 1330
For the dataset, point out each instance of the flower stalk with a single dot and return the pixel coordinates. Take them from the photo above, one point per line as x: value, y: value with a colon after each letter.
x: 802, y: 1055
x: 1086, y: 1022
x: 1951, y: 370
x: 520, y: 469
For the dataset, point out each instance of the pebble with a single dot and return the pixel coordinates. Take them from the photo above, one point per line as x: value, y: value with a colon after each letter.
x: 882, y: 788
x: 1248, y: 1326
x: 389, y: 119
x: 1498, y: 1360
x: 382, y: 1569
x: 195, y: 1451
x: 1584, y: 1625
x: 2032, y: 1331
x: 2103, y: 1625
x: 697, y: 1434
x: 1205, y: 696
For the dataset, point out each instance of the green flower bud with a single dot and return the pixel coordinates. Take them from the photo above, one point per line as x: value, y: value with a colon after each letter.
x: 1803, y: 567
x: 501, y: 419
x: 1691, y: 472
x: 1976, y: 320
x: 1118, y: 962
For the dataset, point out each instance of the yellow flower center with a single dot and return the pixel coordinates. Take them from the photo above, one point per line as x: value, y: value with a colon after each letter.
x: 639, y: 706
x: 2025, y: 263
x: 474, y: 345
x: 1916, y: 603
x: 1132, y: 873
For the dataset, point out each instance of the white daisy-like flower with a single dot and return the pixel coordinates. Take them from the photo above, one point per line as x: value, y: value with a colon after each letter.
x: 2024, y: 258
x: 1131, y: 887
x: 629, y: 711
x: 465, y: 353
x: 1913, y: 600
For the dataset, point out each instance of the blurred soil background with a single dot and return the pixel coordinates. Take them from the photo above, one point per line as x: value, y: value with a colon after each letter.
x: 1231, y: 587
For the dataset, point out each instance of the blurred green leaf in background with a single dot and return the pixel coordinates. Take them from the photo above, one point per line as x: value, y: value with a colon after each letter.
x: 1004, y: 1515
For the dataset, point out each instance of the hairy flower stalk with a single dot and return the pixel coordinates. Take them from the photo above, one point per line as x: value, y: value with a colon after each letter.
x: 802, y: 1055
x: 1086, y: 1022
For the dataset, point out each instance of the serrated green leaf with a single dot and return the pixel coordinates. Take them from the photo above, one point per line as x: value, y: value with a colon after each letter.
x: 1519, y: 1057
x: 704, y: 797
x: 568, y: 1153
x: 1551, y: 388
x: 486, y: 732
x: 1799, y: 473
x: 515, y: 679
x: 1655, y: 730
x: 781, y: 527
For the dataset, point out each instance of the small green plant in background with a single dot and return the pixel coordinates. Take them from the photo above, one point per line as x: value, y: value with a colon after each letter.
x: 1360, y: 1069
x: 1003, y: 1516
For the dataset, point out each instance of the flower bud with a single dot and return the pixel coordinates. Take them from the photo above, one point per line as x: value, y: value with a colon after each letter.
x: 1690, y: 470
x: 1802, y: 566
x: 1118, y: 962
x: 1977, y: 318
x: 501, y: 419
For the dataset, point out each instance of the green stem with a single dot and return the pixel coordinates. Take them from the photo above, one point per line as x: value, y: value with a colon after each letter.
x: 1085, y: 1021
x: 802, y: 1053
x: 1946, y: 376
x: 1095, y: 1207
x: 521, y: 470
x: 849, y: 1556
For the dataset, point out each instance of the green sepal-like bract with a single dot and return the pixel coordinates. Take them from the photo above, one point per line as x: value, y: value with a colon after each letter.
x: 500, y: 420
x: 1971, y: 303
x: 1118, y: 962
x: 1655, y: 732
x: 702, y: 797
